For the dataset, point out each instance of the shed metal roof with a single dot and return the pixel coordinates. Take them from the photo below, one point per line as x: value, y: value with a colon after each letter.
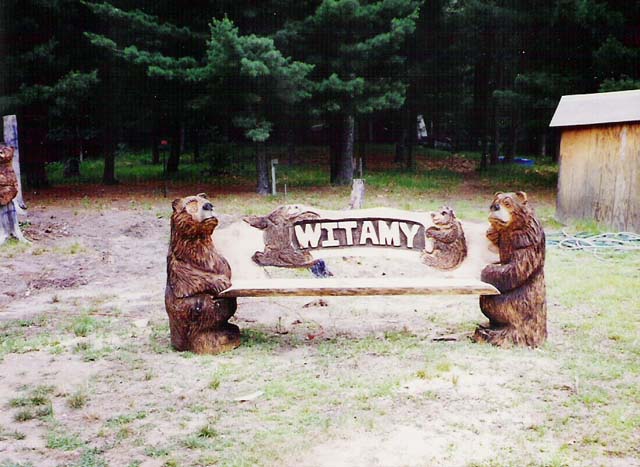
x: 594, y: 109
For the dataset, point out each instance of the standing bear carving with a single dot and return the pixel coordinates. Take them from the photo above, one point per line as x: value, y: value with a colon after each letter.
x: 196, y: 274
x: 449, y: 244
x: 518, y: 316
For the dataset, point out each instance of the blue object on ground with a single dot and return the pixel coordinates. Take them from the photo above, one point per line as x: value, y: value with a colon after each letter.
x: 520, y: 160
x: 320, y: 269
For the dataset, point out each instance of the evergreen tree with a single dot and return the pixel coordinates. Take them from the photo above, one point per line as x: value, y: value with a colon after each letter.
x: 147, y: 74
x: 256, y: 80
x: 355, y: 47
x: 46, y: 79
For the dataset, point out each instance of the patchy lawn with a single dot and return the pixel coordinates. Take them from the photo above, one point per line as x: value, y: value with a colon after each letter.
x: 89, y: 378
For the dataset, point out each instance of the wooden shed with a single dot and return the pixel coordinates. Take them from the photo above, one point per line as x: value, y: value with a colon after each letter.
x: 600, y: 158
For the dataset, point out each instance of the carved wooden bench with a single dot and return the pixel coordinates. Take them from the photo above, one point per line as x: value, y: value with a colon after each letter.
x: 398, y: 253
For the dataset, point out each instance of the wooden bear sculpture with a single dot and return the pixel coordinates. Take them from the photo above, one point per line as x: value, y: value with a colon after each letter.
x: 196, y: 274
x: 278, y: 246
x: 449, y: 244
x: 9, y: 226
x: 8, y: 179
x: 518, y: 316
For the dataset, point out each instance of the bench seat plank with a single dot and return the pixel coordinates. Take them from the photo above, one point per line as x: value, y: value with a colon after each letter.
x: 357, y: 287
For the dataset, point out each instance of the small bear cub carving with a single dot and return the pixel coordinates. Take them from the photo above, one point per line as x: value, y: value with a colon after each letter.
x: 449, y: 244
x: 196, y: 274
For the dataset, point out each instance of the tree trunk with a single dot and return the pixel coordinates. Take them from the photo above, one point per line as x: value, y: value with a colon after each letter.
x: 410, y: 156
x: 495, y: 150
x: 362, y: 145
x: 108, y: 146
x: 195, y: 135
x: 11, y: 138
x: 9, y: 226
x: 262, y: 168
x: 409, y: 132
x: 484, y: 161
x: 174, y: 157
x: 109, y: 174
x: 345, y: 162
x: 334, y: 149
x: 543, y: 144
x: 514, y: 145
x: 155, y: 146
x: 400, y: 135
x: 291, y: 145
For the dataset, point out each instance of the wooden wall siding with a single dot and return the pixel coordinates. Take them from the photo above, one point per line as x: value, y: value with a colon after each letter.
x: 600, y: 175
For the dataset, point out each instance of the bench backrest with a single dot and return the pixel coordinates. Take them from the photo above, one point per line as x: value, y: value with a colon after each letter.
x: 384, y: 241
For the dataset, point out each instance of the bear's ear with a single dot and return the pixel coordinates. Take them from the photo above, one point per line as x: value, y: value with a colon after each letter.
x: 202, y: 195
x: 176, y: 204
x: 259, y: 222
x: 522, y: 197
x: 497, y: 193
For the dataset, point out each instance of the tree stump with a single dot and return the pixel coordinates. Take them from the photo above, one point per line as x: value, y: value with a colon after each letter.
x: 357, y: 194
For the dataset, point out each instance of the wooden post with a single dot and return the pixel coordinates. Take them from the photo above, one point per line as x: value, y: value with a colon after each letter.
x: 274, y: 162
x: 357, y: 194
x: 11, y: 139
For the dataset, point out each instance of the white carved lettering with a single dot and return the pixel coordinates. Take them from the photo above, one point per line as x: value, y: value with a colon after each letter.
x: 409, y: 232
x: 309, y: 237
x: 348, y: 227
x: 368, y: 233
x: 389, y: 234
x: 330, y: 241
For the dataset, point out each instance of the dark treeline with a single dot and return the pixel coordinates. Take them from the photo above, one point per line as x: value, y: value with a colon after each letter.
x: 84, y: 76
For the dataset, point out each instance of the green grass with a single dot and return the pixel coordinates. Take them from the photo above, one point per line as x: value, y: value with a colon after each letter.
x: 91, y: 458
x: 77, y: 400
x: 572, y: 402
x: 512, y: 177
x: 239, y: 169
x: 83, y: 325
x: 63, y: 441
x: 40, y: 395
x: 432, y: 181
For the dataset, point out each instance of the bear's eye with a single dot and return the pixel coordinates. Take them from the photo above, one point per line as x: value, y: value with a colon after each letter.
x: 192, y: 206
x: 444, y: 213
x: 507, y: 203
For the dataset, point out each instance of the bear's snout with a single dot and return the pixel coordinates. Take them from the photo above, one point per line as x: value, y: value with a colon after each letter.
x: 207, y: 207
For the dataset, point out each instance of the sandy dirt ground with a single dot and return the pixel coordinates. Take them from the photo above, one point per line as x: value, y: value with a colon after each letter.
x: 144, y: 400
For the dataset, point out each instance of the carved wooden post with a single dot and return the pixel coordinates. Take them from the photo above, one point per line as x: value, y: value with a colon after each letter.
x: 357, y: 194
x: 518, y: 316
x: 10, y: 125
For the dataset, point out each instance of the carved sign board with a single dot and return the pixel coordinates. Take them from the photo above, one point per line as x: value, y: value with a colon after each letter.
x: 354, y: 232
x: 395, y: 243
x: 291, y: 232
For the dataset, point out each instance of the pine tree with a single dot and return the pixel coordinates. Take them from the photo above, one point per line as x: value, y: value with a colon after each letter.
x: 256, y: 80
x: 46, y: 79
x: 356, y: 48
x: 156, y: 58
